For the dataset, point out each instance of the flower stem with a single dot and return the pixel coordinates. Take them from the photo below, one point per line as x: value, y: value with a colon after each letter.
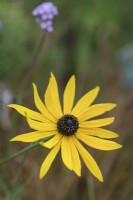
x: 31, y: 146
x: 32, y: 66
x: 4, y: 161
x: 91, y: 190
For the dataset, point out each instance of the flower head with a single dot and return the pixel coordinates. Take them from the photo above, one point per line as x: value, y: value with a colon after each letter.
x: 44, y: 14
x: 68, y: 126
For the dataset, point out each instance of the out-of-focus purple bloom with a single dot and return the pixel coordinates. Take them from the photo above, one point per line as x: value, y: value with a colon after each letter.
x: 45, y: 14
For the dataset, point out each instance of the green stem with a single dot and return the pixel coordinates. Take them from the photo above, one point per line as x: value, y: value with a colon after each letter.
x: 30, y: 70
x: 91, y: 190
x: 4, y: 161
x: 32, y: 146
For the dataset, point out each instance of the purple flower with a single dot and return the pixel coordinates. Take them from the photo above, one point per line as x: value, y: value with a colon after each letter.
x: 44, y: 14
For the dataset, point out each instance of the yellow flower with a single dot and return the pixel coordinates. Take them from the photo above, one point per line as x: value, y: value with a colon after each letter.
x: 68, y: 127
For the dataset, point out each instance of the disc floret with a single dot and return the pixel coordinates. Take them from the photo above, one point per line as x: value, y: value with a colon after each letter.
x: 67, y: 125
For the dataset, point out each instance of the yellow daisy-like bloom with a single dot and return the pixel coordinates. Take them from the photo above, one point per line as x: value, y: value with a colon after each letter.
x: 68, y: 127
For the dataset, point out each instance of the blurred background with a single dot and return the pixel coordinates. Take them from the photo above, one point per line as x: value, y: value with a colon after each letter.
x: 92, y: 39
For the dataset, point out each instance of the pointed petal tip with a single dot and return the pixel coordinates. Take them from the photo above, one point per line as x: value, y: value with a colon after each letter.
x: 120, y: 146
x: 33, y: 85
x: 10, y: 105
x: 73, y: 76
x: 112, y: 119
x: 97, y: 88
x: 113, y: 105
x: 51, y: 75
x: 101, y: 179
x: 40, y: 176
x: 77, y: 171
x: 78, y: 174
x: 42, y: 173
x: 116, y: 146
x: 14, y: 139
x: 116, y: 135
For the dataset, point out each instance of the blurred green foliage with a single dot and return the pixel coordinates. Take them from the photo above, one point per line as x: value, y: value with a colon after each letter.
x: 81, y: 31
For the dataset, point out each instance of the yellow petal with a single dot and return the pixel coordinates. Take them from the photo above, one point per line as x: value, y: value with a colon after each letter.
x: 98, y: 143
x: 32, y: 136
x: 97, y: 123
x: 52, y: 142
x: 41, y: 126
x: 69, y: 95
x: 49, y: 159
x: 41, y: 107
x: 98, y: 132
x: 96, y: 110
x: 30, y: 113
x: 66, y: 153
x: 85, y: 102
x: 76, y: 165
x: 52, y: 98
x: 88, y: 160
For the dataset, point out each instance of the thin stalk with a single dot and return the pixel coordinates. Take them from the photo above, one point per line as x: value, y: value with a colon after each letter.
x: 91, y: 190
x: 31, y: 68
x: 16, y: 179
x: 32, y: 146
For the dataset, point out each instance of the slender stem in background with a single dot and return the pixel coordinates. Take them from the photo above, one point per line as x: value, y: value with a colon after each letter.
x: 37, y: 52
x: 31, y: 146
x: 30, y: 70
x: 91, y: 190
x: 16, y: 179
x: 4, y: 161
